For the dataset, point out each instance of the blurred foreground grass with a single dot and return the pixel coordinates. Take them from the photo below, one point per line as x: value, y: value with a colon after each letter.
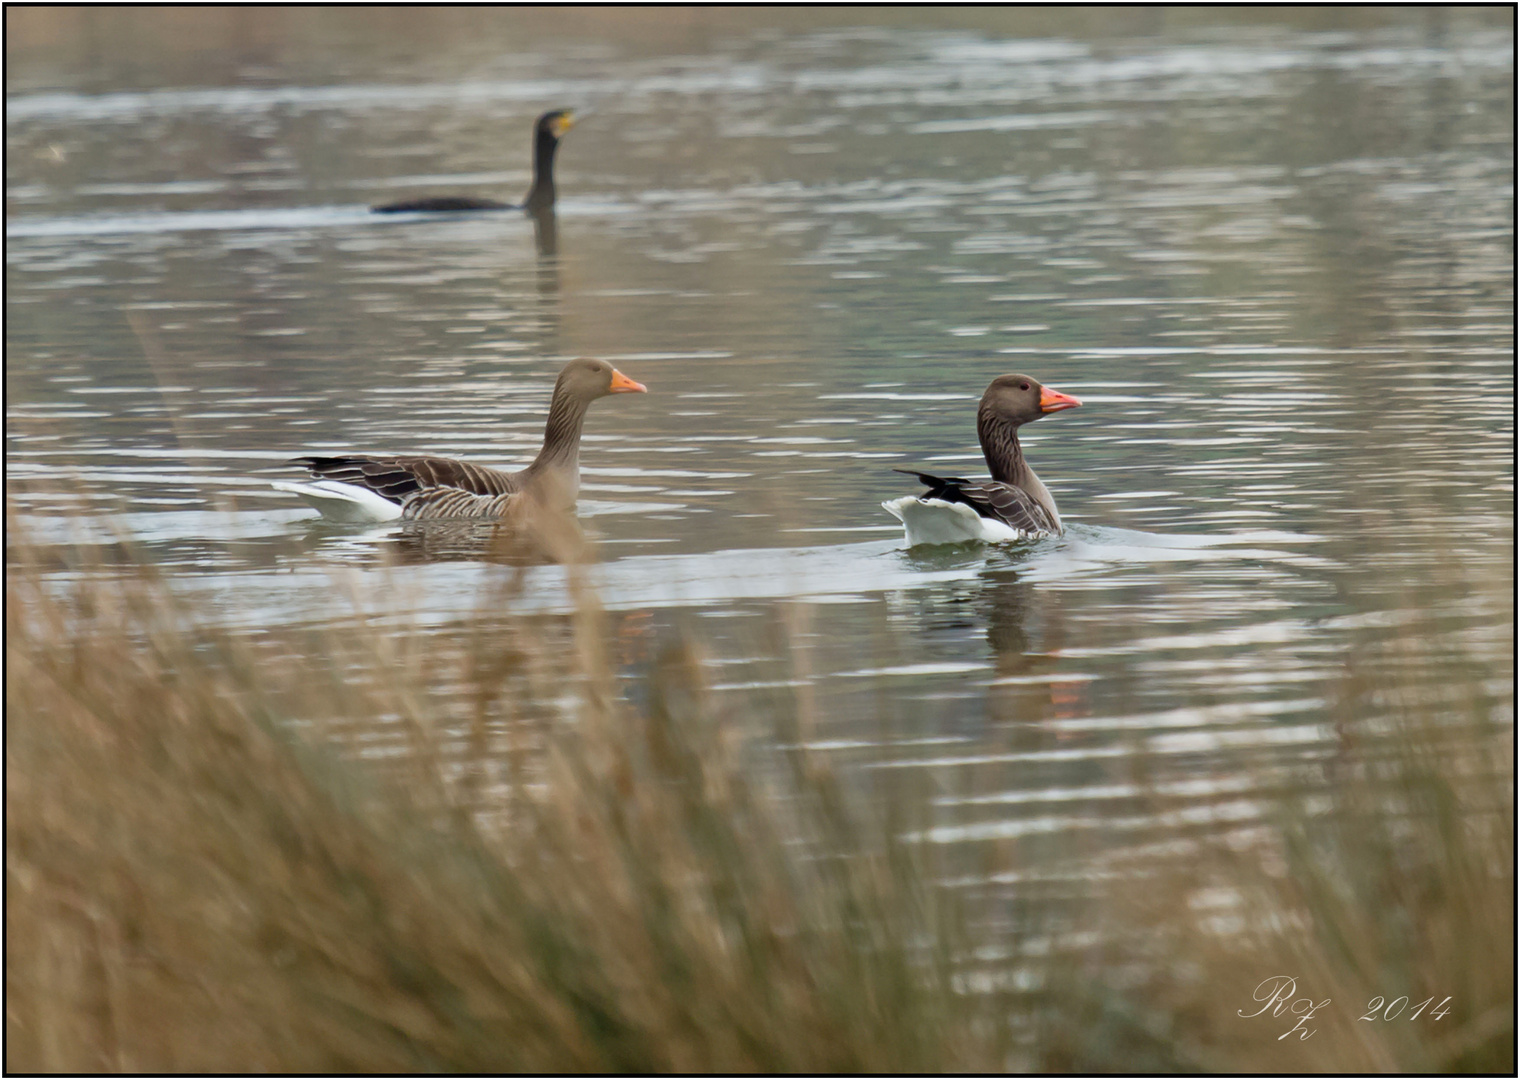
x: 202, y: 877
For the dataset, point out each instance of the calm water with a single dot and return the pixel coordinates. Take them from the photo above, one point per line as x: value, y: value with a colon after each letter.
x: 1274, y: 261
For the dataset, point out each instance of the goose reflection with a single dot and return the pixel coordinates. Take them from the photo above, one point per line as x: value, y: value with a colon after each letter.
x: 546, y: 539
x: 536, y: 543
x: 1026, y: 632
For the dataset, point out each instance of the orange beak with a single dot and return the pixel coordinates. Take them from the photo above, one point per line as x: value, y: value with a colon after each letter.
x: 622, y: 384
x: 1055, y: 401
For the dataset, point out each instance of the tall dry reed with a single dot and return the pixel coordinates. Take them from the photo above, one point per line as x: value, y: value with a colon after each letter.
x: 198, y: 881
x: 205, y: 873
x: 1378, y: 898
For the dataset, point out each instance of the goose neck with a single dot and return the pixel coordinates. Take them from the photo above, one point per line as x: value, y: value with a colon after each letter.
x: 1000, y: 446
x: 562, y: 435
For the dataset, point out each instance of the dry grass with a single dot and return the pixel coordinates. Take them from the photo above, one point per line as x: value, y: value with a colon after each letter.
x: 200, y: 877
x: 1385, y: 874
x: 195, y: 887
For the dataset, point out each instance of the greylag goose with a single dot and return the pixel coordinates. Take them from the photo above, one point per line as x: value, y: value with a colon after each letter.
x: 547, y: 132
x: 1014, y: 504
x: 364, y: 488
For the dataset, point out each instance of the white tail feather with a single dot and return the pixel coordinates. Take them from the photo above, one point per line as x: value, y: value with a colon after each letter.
x: 935, y: 521
x: 343, y: 502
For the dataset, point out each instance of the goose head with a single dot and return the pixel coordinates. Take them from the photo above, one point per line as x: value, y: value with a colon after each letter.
x: 1018, y: 399
x: 586, y: 380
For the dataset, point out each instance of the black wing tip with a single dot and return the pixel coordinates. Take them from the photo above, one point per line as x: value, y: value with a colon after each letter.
x: 930, y: 480
x: 315, y: 462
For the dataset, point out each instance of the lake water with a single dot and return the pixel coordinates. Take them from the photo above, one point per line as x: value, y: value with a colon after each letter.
x: 1274, y: 258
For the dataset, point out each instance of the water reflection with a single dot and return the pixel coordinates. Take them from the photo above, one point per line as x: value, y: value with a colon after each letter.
x: 546, y: 238
x: 528, y: 543
x: 546, y: 280
x: 1026, y: 631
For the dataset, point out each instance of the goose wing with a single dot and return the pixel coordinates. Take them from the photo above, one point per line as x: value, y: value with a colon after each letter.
x: 398, y: 478
x: 1011, y: 505
x: 446, y: 502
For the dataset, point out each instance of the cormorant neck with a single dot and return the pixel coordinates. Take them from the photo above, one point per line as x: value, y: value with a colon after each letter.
x: 541, y: 194
x: 1000, y: 446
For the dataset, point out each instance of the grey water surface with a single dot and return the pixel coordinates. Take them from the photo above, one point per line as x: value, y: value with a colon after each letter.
x: 1274, y: 259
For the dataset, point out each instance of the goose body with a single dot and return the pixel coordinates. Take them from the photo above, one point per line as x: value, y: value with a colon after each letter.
x: 937, y: 521
x: 356, y: 487
x: 1014, y: 504
x: 547, y: 131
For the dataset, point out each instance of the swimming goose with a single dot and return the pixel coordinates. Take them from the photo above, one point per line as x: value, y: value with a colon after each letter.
x: 364, y: 488
x: 1012, y: 505
x: 547, y: 132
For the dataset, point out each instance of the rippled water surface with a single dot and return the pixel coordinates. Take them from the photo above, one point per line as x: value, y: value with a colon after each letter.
x: 1275, y: 262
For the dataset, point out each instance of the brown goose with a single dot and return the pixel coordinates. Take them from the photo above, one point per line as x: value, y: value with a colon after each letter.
x: 364, y: 488
x: 1014, y: 504
x: 547, y: 132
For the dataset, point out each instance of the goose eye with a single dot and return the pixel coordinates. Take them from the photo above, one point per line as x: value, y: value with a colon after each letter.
x: 1023, y: 386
